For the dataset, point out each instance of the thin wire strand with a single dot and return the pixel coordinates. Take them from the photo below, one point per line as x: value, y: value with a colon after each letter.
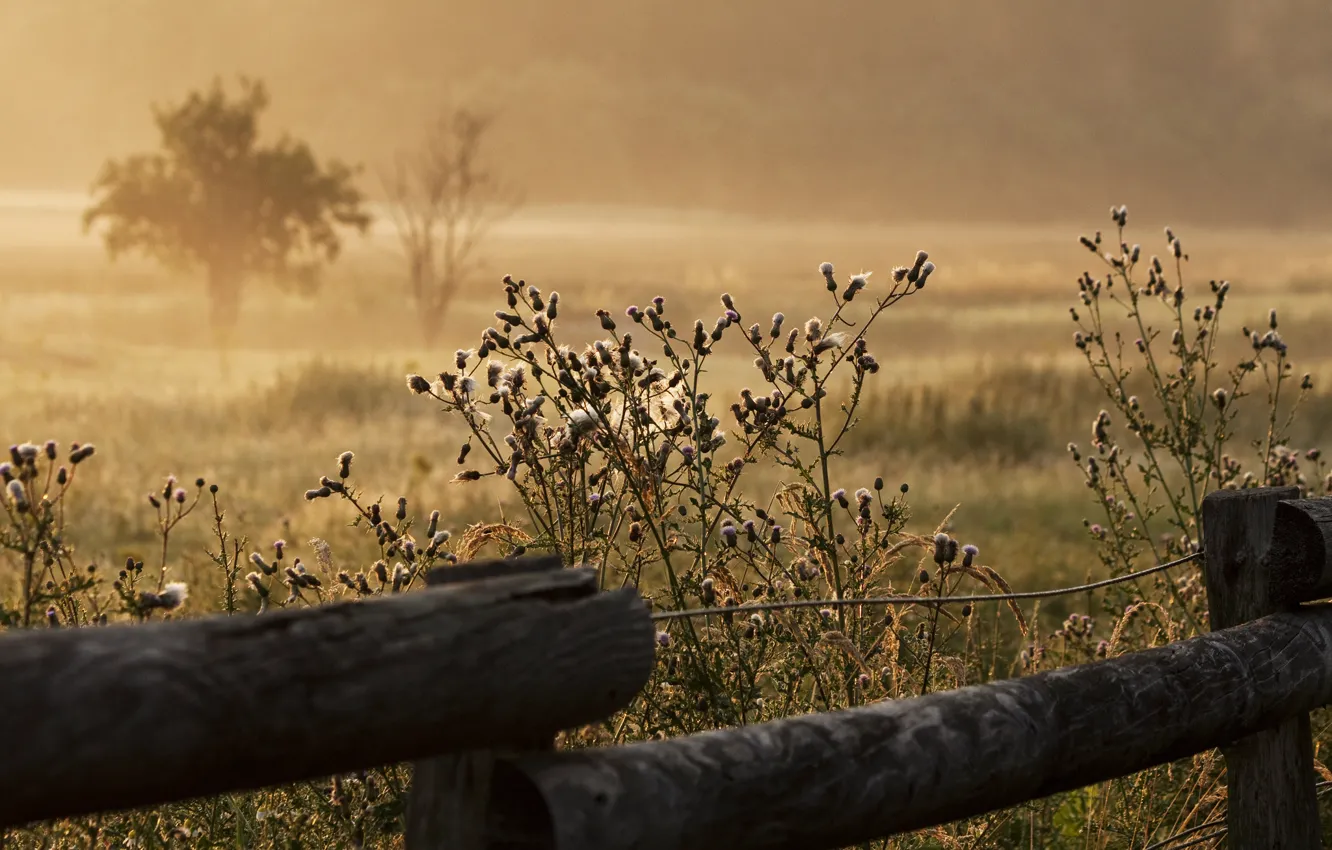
x: 920, y: 600
x: 1214, y: 824
x: 1218, y: 824
x: 1201, y: 839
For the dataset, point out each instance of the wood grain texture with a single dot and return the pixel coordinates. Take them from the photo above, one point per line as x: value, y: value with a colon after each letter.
x: 448, y: 805
x: 1300, y: 557
x: 1270, y: 778
x: 122, y: 716
x: 835, y: 779
x: 496, y: 568
x: 1238, y: 528
x: 448, y: 802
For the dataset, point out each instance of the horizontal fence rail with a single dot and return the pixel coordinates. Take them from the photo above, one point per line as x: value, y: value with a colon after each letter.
x: 834, y: 779
x: 125, y: 716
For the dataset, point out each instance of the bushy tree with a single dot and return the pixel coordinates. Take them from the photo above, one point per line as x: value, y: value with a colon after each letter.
x: 214, y: 198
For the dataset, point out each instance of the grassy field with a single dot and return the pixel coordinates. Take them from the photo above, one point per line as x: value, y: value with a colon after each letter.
x: 980, y: 392
x: 981, y: 387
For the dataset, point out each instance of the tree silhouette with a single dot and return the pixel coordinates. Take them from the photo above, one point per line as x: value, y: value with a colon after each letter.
x: 214, y: 198
x: 444, y: 201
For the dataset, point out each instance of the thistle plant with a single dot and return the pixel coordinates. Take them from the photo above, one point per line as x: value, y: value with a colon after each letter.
x: 1188, y: 419
x: 172, y: 504
x: 622, y: 459
x: 33, y: 533
x: 413, y: 557
x: 229, y: 556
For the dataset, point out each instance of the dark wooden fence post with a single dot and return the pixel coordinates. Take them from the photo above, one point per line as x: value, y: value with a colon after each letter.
x: 1269, y: 775
x: 447, y: 806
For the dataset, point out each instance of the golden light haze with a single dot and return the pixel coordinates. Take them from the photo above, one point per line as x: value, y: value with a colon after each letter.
x: 706, y: 158
x: 1219, y: 111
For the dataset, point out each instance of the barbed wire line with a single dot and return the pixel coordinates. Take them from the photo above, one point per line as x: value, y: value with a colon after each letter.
x: 750, y: 608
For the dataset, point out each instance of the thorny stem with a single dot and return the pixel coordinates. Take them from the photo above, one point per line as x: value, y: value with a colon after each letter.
x: 934, y: 629
x: 29, y: 560
x: 1274, y: 396
x: 827, y: 499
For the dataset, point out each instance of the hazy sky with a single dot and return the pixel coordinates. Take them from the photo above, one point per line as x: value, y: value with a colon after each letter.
x: 1211, y: 110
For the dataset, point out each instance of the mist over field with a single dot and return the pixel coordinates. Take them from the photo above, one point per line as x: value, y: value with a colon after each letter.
x: 685, y: 149
x: 617, y: 278
x: 1035, y: 110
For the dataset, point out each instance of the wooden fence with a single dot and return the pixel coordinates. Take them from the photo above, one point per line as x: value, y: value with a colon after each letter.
x: 472, y: 678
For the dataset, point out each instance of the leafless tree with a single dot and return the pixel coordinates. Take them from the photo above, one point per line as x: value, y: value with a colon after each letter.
x: 444, y: 202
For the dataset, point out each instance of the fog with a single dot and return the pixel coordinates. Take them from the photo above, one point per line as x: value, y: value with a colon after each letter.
x: 1213, y: 111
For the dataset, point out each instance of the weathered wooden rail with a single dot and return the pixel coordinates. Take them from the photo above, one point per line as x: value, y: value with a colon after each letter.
x: 126, y: 716
x: 473, y: 677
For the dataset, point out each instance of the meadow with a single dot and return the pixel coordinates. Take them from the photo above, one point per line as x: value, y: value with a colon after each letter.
x: 980, y: 391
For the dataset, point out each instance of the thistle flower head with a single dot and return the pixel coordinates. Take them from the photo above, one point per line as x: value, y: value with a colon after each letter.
x: 729, y: 534
x: 583, y: 421
x: 829, y: 342
x: 941, y: 546
x: 173, y: 595
x: 926, y: 270
x: 417, y: 384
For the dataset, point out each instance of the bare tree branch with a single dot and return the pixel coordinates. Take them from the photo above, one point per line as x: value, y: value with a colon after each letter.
x: 444, y: 203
